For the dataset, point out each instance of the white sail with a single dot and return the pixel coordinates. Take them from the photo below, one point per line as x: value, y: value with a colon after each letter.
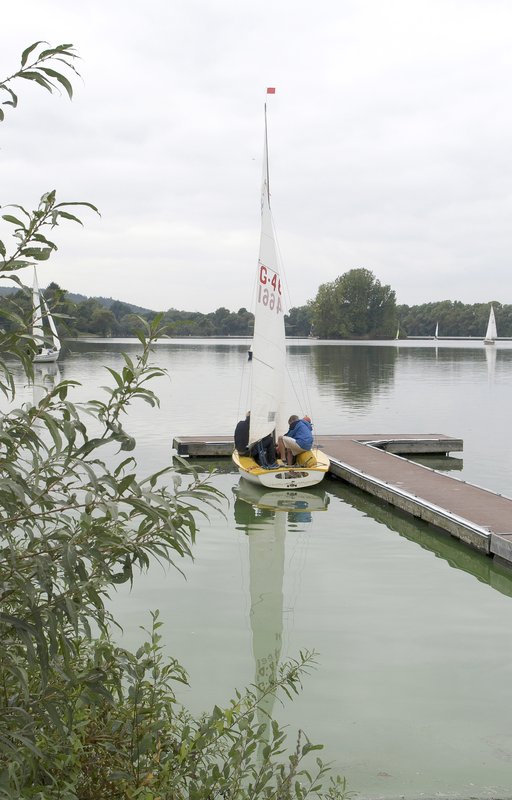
x: 436, y: 334
x: 37, y: 314
x: 491, y: 333
x: 40, y: 314
x: 51, y: 323
x: 269, y: 345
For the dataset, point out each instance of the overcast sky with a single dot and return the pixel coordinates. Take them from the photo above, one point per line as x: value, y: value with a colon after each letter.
x: 390, y: 145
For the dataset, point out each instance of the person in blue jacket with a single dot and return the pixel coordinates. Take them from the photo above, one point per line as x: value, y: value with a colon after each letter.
x: 297, y: 439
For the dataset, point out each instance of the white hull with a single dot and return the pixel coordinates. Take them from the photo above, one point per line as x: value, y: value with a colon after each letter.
x: 46, y: 357
x: 489, y: 341
x: 282, y: 500
x: 296, y: 477
x: 291, y: 478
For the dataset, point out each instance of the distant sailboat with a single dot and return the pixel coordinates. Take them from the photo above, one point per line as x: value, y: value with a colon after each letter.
x: 436, y: 334
x: 491, y: 333
x: 40, y: 313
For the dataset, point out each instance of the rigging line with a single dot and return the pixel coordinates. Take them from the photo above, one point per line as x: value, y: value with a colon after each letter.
x: 243, y: 382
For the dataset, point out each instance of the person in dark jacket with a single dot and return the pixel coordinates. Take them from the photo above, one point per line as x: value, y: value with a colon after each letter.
x: 263, y: 451
x: 242, y: 435
x: 298, y: 439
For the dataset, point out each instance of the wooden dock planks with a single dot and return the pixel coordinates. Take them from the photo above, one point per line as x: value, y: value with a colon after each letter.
x: 479, y: 517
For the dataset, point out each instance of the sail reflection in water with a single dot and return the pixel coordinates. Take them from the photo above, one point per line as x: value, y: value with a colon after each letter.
x: 264, y: 516
x: 46, y: 378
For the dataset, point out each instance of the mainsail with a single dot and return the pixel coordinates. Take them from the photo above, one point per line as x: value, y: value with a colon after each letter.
x: 41, y: 312
x: 37, y: 314
x: 269, y: 345
x: 491, y: 333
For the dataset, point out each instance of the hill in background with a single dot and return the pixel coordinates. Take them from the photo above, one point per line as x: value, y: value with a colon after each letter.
x: 106, y: 302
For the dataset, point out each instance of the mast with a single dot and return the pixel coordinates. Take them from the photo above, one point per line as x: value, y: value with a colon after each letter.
x: 266, y: 171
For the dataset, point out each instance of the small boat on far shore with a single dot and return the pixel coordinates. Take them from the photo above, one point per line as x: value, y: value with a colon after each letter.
x: 491, y: 333
x: 48, y: 346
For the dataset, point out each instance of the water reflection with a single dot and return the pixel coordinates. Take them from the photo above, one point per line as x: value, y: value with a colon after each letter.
x: 46, y: 377
x: 355, y: 373
x: 264, y: 516
x: 490, y: 357
x: 455, y: 553
x: 440, y: 463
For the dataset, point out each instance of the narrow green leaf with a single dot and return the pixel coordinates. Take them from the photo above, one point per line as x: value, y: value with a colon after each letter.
x: 79, y: 203
x: 60, y: 48
x: 72, y: 217
x: 60, y: 78
x: 35, y: 76
x: 13, y: 220
x: 26, y: 53
x: 13, y: 101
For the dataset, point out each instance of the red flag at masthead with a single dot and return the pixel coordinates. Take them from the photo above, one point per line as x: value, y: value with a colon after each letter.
x: 271, y: 90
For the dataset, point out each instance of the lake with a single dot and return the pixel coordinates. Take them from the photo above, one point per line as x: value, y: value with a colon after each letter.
x: 412, y: 693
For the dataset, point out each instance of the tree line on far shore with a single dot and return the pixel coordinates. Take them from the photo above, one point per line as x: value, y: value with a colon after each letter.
x: 353, y: 306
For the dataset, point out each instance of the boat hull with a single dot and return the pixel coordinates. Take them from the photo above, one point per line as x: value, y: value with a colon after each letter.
x: 310, y: 470
x: 46, y: 357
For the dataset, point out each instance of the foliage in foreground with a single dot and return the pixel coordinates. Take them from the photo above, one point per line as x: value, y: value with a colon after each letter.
x: 81, y: 717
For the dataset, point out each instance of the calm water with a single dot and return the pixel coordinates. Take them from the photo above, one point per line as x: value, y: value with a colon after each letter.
x: 412, y: 695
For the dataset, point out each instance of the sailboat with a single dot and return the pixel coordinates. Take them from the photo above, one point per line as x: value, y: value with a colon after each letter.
x: 40, y: 312
x: 491, y: 333
x: 436, y: 334
x: 268, y: 365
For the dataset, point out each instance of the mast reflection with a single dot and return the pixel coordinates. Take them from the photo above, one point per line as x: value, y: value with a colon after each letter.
x: 264, y: 516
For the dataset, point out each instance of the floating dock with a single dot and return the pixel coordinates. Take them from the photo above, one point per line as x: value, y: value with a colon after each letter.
x: 375, y: 463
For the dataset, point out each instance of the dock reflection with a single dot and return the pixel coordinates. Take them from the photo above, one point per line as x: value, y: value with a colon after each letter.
x: 442, y: 545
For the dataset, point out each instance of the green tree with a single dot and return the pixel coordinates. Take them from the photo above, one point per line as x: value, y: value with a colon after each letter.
x: 129, y: 324
x: 298, y: 321
x: 80, y: 717
x: 120, y: 309
x: 355, y: 305
x: 103, y: 322
x: 454, y: 318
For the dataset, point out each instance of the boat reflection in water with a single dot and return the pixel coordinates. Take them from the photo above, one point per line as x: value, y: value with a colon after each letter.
x: 46, y: 378
x: 264, y: 516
